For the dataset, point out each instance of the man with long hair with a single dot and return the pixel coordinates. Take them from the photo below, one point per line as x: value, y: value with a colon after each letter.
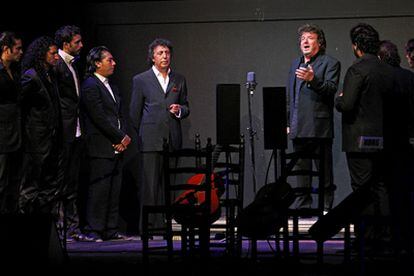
x: 42, y: 128
x: 106, y: 139
x: 10, y: 125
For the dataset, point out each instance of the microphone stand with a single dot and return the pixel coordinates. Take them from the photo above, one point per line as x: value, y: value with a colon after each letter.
x: 251, y: 86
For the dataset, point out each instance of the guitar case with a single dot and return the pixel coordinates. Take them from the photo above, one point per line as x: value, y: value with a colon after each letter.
x: 268, y: 211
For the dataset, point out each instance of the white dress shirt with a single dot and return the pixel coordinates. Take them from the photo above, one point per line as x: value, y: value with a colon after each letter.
x: 69, y: 59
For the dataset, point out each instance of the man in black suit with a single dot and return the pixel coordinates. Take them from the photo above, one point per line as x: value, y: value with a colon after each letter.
x: 158, y: 104
x: 104, y: 130
x: 366, y: 83
x: 42, y: 129
x: 11, y: 52
x: 399, y: 151
x: 313, y: 82
x: 69, y: 40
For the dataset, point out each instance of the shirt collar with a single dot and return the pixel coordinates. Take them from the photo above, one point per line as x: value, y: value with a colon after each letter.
x: 66, y: 57
x: 101, y: 78
x: 312, y: 59
x: 158, y: 73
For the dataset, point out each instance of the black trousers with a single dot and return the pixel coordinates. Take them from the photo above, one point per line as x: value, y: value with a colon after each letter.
x: 400, y: 184
x: 10, y: 171
x: 312, y: 145
x: 151, y: 190
x: 102, y: 203
x: 368, y: 169
x: 72, y: 160
x: 41, y: 181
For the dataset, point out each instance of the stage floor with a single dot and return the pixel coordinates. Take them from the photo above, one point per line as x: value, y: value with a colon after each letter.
x: 122, y: 255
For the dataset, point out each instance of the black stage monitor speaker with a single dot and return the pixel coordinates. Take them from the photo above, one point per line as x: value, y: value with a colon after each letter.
x: 30, y: 239
x: 274, y: 117
x: 228, y: 113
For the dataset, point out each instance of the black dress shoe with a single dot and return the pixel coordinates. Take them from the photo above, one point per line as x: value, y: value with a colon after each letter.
x: 90, y: 237
x: 118, y: 237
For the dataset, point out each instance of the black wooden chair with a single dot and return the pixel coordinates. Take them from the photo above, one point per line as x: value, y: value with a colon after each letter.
x: 189, y: 205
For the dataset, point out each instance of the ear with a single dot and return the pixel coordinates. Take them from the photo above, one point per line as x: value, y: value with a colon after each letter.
x: 98, y: 64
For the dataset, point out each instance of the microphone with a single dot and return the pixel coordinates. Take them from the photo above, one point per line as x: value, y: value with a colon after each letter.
x: 251, y: 82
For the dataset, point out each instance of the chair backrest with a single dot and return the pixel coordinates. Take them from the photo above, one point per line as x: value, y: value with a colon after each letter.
x: 230, y: 168
x: 188, y: 184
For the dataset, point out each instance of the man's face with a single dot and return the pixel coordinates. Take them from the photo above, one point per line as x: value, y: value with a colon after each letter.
x: 410, y: 59
x: 74, y: 47
x: 16, y: 51
x: 106, y: 66
x: 14, y: 54
x: 52, y: 55
x: 161, y: 58
x: 309, y: 44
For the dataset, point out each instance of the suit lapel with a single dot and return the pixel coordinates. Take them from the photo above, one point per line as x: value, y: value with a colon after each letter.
x: 68, y: 72
x: 171, y: 83
x: 105, y: 90
x: 155, y: 81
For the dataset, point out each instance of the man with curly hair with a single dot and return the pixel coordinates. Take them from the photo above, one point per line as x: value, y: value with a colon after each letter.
x: 313, y: 82
x: 42, y: 128
x: 10, y: 125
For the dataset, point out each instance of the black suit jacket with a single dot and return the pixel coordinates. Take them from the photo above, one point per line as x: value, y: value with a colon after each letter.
x: 40, y: 113
x: 314, y: 104
x: 366, y: 83
x: 101, y: 114
x: 149, y: 110
x: 69, y: 99
x: 399, y: 112
x: 10, y: 126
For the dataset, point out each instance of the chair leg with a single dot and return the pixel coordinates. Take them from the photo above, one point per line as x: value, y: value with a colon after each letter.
x: 286, y: 247
x: 295, y: 237
x: 145, y: 237
x: 347, y: 244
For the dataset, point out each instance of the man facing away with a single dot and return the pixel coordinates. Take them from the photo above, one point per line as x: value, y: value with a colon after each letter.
x: 313, y: 82
x: 361, y: 103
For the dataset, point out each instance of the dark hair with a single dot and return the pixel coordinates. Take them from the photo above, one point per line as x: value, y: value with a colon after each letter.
x: 7, y: 39
x: 388, y: 52
x: 66, y: 34
x: 366, y: 38
x: 94, y: 55
x: 154, y: 44
x: 312, y: 28
x: 36, y: 55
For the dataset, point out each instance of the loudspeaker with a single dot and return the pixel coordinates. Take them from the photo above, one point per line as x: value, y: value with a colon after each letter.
x: 228, y: 113
x: 274, y: 117
x: 346, y: 212
x: 30, y: 239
